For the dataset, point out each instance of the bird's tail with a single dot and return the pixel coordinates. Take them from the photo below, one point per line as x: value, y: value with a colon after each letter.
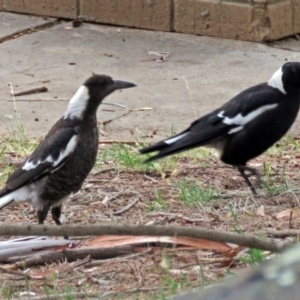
x: 6, y: 200
x: 168, y: 147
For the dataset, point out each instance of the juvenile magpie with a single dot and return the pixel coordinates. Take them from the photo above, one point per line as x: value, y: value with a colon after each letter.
x: 244, y: 127
x: 66, y: 155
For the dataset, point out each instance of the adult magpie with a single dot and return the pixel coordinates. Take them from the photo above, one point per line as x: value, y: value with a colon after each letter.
x: 64, y: 158
x: 244, y: 127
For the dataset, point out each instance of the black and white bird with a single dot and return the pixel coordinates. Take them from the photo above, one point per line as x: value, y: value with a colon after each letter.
x: 64, y: 158
x: 244, y: 127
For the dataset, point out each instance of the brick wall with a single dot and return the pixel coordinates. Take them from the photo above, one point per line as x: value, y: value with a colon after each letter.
x: 255, y: 20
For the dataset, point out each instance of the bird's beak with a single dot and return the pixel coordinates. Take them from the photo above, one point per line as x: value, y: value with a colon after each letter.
x: 119, y: 84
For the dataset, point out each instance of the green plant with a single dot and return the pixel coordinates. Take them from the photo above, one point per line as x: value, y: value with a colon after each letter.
x: 158, y: 203
x: 191, y: 193
x: 254, y: 256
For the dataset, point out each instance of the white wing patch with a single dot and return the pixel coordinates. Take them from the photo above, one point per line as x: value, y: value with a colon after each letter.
x: 276, y: 81
x: 70, y: 148
x: 175, y: 139
x: 236, y: 129
x: 26, y: 193
x: 241, y: 120
x: 63, y: 154
x: 77, y: 104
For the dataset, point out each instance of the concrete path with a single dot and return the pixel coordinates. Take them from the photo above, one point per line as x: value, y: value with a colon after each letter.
x: 200, y: 74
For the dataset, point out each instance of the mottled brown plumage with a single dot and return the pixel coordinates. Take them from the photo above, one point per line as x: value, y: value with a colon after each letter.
x: 64, y: 158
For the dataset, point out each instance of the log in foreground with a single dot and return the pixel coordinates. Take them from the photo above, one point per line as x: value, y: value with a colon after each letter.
x: 94, y: 230
x: 275, y: 279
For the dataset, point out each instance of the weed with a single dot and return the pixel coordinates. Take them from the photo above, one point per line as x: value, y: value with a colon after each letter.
x: 158, y: 203
x: 191, y: 193
x: 272, y: 186
x: 234, y: 215
x: 254, y: 256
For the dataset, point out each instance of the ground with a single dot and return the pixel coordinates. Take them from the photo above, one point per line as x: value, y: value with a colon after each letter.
x: 191, y: 189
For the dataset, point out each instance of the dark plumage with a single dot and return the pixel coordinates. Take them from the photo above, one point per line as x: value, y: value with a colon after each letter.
x: 64, y: 158
x: 244, y: 127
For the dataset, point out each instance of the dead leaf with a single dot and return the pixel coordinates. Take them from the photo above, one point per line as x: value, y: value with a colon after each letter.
x: 113, y: 241
x: 47, y: 273
x: 261, y: 211
x: 287, y: 213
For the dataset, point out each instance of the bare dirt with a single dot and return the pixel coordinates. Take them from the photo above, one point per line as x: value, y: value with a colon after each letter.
x: 155, y: 269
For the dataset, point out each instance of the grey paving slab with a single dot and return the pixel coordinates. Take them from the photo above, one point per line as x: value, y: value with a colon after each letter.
x: 290, y: 44
x: 13, y: 23
x: 200, y: 74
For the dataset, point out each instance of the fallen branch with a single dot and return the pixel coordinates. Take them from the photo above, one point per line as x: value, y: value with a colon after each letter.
x: 15, y: 272
x: 282, y: 233
x: 117, y: 259
x: 78, y: 295
x: 41, y: 89
x: 71, y: 255
x: 137, y: 230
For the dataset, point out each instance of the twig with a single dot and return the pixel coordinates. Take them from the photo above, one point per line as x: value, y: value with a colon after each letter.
x: 28, y: 30
x: 191, y: 98
x: 125, y: 209
x: 282, y: 233
x: 135, y: 255
x: 78, y: 295
x: 180, y: 216
x: 41, y: 89
x: 34, y: 100
x: 13, y: 272
x: 150, y: 178
x: 103, y: 171
x: 137, y: 230
x: 85, y: 261
x: 117, y: 142
x: 73, y: 255
x: 290, y: 221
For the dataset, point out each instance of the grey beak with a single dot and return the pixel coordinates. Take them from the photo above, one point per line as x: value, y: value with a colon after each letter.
x: 119, y: 84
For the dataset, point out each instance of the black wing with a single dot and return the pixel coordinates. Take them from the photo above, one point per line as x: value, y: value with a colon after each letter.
x: 51, y: 154
x: 213, y: 126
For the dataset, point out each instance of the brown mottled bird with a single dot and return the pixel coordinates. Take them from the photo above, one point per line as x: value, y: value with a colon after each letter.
x: 67, y: 154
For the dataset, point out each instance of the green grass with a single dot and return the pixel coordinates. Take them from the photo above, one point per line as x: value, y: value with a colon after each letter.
x: 192, y: 193
x: 253, y: 257
x: 270, y: 185
x: 158, y: 203
x: 287, y: 144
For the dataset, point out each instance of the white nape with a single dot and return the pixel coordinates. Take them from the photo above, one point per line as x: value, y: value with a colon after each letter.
x: 63, y: 154
x: 175, y: 139
x: 241, y: 120
x: 276, y: 81
x: 77, y: 104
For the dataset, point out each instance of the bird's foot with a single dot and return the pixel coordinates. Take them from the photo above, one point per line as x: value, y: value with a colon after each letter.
x: 250, y: 172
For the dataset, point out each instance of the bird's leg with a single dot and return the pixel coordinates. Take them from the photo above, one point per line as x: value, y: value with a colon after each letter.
x: 252, y: 171
x: 42, y: 214
x: 56, y: 212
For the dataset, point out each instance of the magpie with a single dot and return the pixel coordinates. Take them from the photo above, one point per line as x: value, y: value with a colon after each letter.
x: 66, y: 155
x: 244, y: 127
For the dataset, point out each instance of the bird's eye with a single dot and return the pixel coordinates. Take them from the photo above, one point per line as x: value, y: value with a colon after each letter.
x: 296, y: 70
